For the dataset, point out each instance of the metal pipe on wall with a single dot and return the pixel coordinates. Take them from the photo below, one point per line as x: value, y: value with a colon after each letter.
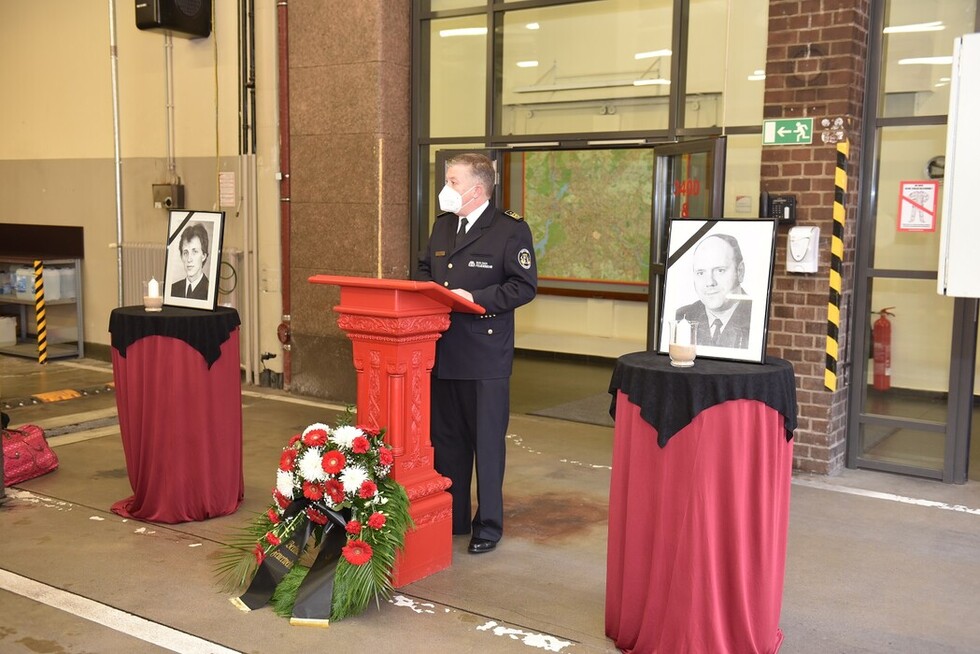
x: 117, y: 156
x: 284, y: 331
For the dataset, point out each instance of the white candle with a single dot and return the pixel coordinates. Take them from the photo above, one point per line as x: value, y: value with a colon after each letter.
x: 683, y: 334
x: 153, y: 288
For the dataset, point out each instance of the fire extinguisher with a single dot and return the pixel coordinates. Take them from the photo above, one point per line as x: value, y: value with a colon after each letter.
x: 882, y: 338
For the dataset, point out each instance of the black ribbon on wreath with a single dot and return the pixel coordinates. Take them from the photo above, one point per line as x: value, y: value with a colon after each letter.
x: 313, y: 598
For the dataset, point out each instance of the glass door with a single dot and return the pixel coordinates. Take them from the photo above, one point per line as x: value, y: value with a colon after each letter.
x: 913, y: 350
x: 689, y: 182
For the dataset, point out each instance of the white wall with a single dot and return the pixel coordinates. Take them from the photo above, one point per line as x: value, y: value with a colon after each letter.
x: 57, y: 143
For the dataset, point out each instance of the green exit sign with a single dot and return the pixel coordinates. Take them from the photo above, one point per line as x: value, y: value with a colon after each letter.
x: 787, y: 131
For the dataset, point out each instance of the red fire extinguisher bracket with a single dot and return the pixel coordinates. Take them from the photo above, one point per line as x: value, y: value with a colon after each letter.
x: 882, y: 349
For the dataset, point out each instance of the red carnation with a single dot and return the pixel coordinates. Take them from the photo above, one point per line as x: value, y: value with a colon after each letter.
x: 316, y: 516
x: 357, y: 552
x: 273, y: 516
x: 360, y: 445
x: 353, y: 527
x: 333, y: 462
x: 377, y: 520
x: 368, y: 490
x: 288, y: 459
x: 385, y: 456
x: 312, y: 491
x: 259, y: 554
x: 272, y: 538
x: 281, y: 499
x: 295, y: 439
x: 367, y: 430
x: 315, y: 437
x: 335, y: 490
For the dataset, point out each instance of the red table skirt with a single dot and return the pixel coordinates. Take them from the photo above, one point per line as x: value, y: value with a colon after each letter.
x: 181, y: 426
x: 697, y: 532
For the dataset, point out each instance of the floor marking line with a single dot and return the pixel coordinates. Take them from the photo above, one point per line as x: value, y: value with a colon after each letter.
x: 891, y: 497
x: 107, y: 616
x: 295, y: 400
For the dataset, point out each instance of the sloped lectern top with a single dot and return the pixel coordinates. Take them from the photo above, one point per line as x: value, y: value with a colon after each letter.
x: 401, y: 296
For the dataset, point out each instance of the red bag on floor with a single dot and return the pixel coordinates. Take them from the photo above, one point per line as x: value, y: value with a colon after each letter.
x: 26, y: 454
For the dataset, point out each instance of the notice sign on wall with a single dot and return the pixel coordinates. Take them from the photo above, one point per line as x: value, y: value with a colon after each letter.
x: 917, y: 202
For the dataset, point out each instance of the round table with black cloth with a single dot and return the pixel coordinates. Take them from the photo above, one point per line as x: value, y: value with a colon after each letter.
x: 178, y: 391
x: 699, y: 504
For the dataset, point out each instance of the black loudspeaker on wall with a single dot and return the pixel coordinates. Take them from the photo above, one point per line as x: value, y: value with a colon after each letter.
x: 188, y: 18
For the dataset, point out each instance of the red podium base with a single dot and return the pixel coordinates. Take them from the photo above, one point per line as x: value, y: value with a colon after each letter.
x: 393, y: 325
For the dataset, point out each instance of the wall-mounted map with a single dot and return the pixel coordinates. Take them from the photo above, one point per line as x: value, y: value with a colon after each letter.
x: 589, y: 212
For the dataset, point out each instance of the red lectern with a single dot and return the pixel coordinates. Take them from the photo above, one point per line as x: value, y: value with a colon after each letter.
x: 394, y: 324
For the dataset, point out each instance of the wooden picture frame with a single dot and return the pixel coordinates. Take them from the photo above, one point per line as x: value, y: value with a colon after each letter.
x: 719, y: 272
x: 191, y: 277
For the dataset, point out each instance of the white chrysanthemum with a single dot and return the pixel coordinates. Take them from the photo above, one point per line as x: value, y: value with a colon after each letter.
x: 352, y: 477
x: 311, y: 465
x: 284, y: 483
x: 316, y: 425
x: 344, y: 436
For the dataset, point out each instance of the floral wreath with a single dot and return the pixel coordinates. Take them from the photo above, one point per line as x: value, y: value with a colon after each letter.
x: 333, y: 491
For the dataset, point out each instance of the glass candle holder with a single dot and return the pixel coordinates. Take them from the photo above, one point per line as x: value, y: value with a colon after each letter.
x: 152, y: 300
x: 683, y: 342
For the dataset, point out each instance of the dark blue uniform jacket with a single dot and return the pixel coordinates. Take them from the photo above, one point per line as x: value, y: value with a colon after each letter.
x: 495, y: 262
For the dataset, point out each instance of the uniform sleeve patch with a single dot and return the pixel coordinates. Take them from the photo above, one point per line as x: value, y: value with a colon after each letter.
x: 514, y: 215
x: 524, y: 258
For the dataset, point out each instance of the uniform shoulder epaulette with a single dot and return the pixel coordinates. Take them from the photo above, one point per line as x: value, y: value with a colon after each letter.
x: 514, y: 215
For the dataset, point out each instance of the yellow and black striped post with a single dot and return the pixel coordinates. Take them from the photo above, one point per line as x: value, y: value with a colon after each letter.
x: 39, y: 312
x: 836, y: 260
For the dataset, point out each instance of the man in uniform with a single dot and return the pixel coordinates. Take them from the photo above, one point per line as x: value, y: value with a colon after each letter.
x: 485, y: 255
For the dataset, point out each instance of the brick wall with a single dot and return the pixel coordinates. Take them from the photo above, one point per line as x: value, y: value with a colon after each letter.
x: 815, y: 68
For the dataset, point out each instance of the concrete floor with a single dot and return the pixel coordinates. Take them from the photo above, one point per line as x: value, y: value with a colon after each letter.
x: 876, y: 562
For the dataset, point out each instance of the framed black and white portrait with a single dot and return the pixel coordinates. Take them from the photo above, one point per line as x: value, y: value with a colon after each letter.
x: 718, y: 279
x: 193, y: 256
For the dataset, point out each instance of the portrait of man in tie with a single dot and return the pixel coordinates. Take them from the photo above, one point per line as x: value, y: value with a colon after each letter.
x: 193, y: 256
x: 723, y: 311
x: 718, y: 277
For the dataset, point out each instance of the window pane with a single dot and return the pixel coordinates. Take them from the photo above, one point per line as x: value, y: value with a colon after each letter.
x: 586, y: 67
x: 458, y: 80
x: 726, y: 60
x: 446, y: 5
x: 905, y: 155
x: 918, y: 48
x: 743, y: 156
x: 919, y: 358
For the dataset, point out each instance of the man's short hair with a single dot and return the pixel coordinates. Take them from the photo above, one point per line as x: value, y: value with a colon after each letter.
x: 197, y: 229
x: 481, y: 166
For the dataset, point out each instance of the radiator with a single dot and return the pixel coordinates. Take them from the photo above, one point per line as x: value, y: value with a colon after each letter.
x: 140, y: 263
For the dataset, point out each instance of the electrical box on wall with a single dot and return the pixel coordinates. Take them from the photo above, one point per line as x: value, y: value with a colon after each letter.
x: 187, y: 18
x: 802, y: 249
x: 168, y: 196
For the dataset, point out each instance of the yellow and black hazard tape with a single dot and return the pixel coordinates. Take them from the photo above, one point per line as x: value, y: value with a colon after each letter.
x: 40, y: 313
x: 836, y: 261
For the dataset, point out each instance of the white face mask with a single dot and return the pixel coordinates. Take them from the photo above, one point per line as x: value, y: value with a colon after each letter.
x: 450, y: 199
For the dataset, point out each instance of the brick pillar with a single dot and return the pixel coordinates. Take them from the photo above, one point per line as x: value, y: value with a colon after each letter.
x: 815, y: 68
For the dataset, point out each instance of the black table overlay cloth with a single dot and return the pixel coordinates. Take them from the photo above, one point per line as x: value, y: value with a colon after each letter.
x: 644, y: 376
x: 205, y: 331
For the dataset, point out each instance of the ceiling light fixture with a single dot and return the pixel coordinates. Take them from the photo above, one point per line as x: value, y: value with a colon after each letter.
x: 934, y: 26
x: 652, y: 54
x: 533, y: 26
x: 932, y: 61
x: 527, y: 64
x: 464, y: 31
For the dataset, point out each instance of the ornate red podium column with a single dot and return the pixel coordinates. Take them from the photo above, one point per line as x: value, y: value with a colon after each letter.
x: 393, y: 325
